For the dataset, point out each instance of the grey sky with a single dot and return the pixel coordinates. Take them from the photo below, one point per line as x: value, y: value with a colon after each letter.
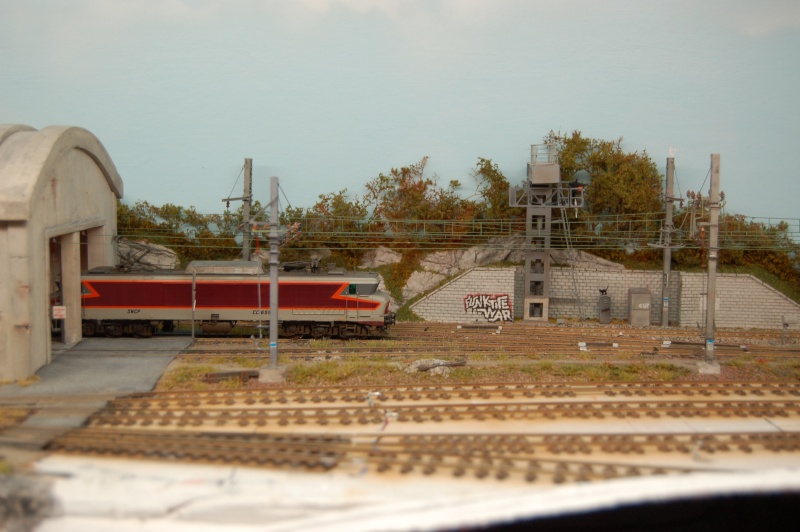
x: 326, y: 94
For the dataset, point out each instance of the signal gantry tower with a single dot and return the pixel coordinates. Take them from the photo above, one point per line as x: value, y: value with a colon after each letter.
x: 543, y: 192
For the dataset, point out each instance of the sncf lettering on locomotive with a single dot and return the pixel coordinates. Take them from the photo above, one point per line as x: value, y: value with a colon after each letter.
x: 134, y: 311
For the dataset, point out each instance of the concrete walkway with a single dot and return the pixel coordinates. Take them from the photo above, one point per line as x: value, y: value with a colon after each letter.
x: 78, y: 382
x: 103, y: 366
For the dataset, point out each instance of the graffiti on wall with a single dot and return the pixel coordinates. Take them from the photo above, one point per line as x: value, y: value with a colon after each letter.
x: 493, y: 307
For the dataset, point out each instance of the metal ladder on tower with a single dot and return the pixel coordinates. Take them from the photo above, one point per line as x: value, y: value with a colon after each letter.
x: 568, y: 240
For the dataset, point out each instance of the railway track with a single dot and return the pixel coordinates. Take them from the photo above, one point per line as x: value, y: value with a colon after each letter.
x: 529, y: 432
x: 529, y: 458
x: 503, y: 431
x: 371, y: 417
x: 522, y: 341
x: 300, y: 396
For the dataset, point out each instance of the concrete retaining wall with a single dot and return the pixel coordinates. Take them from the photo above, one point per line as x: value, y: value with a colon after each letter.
x: 742, y: 301
x: 567, y: 301
x: 480, y: 294
x: 477, y: 295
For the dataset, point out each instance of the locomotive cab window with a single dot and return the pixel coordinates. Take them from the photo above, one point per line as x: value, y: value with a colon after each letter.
x: 360, y: 289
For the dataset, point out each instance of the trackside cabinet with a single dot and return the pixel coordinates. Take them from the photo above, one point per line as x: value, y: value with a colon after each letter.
x: 639, y: 307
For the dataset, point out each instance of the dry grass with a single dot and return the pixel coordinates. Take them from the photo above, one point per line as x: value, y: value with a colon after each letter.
x: 186, y: 376
x: 334, y: 369
x: 387, y: 370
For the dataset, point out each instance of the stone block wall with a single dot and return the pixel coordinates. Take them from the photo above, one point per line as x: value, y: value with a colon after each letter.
x: 742, y: 300
x: 492, y: 291
x: 574, y: 292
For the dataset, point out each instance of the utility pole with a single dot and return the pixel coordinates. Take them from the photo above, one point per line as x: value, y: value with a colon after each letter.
x: 273, y: 373
x: 274, y: 240
x: 247, y: 199
x: 713, y: 249
x: 668, y: 227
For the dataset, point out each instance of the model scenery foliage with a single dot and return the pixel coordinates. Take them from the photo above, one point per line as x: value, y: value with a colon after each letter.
x: 409, y: 211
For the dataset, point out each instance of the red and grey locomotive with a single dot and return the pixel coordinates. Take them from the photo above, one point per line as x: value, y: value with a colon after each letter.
x: 313, y: 302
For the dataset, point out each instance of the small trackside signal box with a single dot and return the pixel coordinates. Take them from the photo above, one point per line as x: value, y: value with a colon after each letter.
x: 639, y: 307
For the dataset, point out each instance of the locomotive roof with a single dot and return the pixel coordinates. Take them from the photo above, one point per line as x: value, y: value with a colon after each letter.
x: 253, y: 267
x: 240, y: 267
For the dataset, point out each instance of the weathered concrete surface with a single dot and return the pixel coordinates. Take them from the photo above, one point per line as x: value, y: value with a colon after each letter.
x: 80, y: 381
x: 24, y: 502
x: 708, y: 368
x: 135, y: 255
x: 421, y: 282
x: 58, y: 194
x: 121, y: 495
x: 270, y: 375
x: 111, y: 366
x: 496, y: 250
x: 380, y: 257
x: 438, y: 265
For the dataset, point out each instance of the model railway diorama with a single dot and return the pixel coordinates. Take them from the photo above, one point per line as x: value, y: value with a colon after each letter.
x: 314, y: 301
